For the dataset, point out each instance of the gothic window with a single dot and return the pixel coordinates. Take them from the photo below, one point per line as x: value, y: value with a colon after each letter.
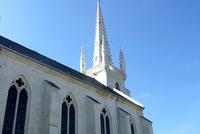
x: 64, y: 119
x: 105, y: 122
x: 10, y: 111
x: 102, y: 124
x: 132, y: 127
x: 21, y: 112
x: 16, y: 107
x: 68, y: 122
x: 107, y: 125
x: 117, y: 86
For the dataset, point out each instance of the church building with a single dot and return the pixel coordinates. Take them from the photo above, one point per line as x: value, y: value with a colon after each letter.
x: 41, y: 96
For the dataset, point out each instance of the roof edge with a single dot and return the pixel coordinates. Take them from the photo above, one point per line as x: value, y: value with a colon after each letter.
x: 39, y: 58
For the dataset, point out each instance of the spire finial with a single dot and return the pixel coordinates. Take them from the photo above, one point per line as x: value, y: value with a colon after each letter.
x: 82, y: 61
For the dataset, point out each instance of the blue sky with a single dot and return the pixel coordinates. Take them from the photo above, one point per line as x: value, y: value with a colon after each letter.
x: 160, y: 39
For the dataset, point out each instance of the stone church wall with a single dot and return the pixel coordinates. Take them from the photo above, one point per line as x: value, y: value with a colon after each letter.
x: 47, y: 90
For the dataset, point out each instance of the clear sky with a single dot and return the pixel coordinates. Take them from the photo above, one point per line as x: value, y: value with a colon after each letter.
x: 160, y: 39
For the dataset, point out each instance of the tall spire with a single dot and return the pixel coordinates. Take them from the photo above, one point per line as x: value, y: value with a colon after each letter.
x: 103, y: 69
x: 101, y: 48
x: 82, y: 62
x: 122, y: 65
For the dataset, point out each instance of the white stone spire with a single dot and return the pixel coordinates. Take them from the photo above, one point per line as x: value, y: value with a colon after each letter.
x: 101, y: 47
x: 122, y: 65
x: 82, y: 61
x: 103, y: 69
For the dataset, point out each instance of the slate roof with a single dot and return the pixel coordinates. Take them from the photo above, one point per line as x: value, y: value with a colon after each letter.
x: 15, y: 47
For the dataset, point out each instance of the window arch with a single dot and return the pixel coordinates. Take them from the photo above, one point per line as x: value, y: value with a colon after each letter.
x: 68, y: 121
x: 132, y: 126
x: 132, y: 129
x: 16, y: 108
x: 117, y: 86
x: 105, y: 122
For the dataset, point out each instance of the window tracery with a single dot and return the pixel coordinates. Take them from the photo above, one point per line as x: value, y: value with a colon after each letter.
x: 105, y: 122
x: 68, y: 121
x: 16, y: 108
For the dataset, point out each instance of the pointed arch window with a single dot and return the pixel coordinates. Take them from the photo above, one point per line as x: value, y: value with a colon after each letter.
x: 117, y: 86
x: 68, y: 121
x: 132, y: 127
x: 105, y: 122
x: 16, y: 108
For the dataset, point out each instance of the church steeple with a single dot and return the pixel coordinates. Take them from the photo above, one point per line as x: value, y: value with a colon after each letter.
x: 103, y: 69
x: 102, y: 54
